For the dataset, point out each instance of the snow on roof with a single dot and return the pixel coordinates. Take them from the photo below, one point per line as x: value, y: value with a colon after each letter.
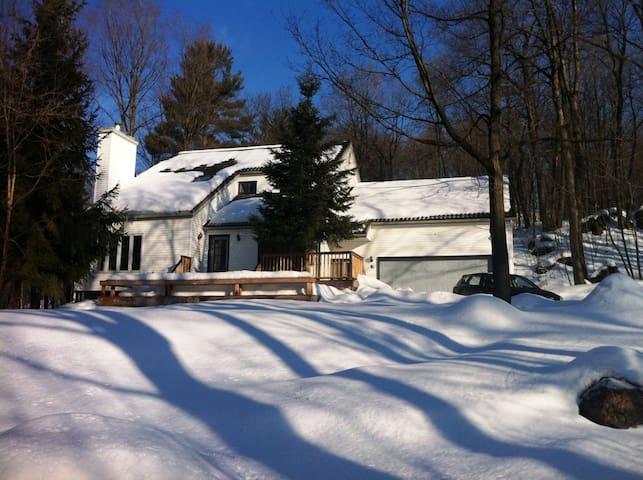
x: 236, y: 212
x: 425, y: 199
x: 182, y: 182
x: 458, y: 197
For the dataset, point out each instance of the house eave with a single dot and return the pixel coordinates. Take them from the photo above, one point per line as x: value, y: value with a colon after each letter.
x: 460, y: 217
x: 227, y: 226
x: 431, y: 219
x: 132, y: 216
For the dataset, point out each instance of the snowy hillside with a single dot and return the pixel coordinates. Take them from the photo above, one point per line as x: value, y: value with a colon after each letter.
x: 373, y: 384
x: 601, y: 252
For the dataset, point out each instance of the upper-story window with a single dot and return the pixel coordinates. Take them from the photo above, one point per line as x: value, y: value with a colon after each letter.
x: 248, y: 188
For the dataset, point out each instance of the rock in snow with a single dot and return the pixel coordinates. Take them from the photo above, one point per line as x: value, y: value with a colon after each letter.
x: 613, y: 402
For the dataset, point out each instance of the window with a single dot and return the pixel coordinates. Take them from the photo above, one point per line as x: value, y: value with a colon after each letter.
x: 247, y: 189
x: 113, y: 255
x: 218, y: 253
x: 136, y: 252
x: 128, y: 250
x: 474, y: 280
x: 521, y: 282
x: 124, y: 253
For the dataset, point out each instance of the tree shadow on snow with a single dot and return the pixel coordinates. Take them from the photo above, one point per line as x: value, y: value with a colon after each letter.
x: 460, y: 431
x: 404, y: 353
x: 252, y: 429
x: 446, y: 417
x: 274, y: 443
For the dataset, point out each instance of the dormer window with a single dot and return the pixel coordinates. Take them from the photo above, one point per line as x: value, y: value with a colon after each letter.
x: 247, y: 189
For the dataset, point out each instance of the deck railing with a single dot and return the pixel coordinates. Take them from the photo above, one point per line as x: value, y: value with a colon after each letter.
x: 182, y: 266
x: 321, y: 265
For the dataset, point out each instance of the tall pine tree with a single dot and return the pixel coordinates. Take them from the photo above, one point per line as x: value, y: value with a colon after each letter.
x: 311, y: 192
x: 51, y: 231
x: 203, y: 108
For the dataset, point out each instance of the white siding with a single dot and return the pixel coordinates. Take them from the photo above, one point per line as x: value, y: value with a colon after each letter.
x: 242, y: 253
x: 424, y: 239
x: 199, y: 239
x: 116, y: 160
x: 349, y: 162
x: 262, y: 184
x: 230, y: 191
x: 163, y: 243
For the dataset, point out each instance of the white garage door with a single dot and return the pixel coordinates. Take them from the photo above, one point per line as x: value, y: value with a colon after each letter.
x: 429, y: 274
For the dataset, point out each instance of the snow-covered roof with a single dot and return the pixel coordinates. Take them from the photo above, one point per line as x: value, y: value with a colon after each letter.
x: 182, y: 182
x: 236, y: 212
x: 400, y: 200
x: 425, y: 199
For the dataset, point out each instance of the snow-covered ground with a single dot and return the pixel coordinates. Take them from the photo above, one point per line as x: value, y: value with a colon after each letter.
x: 373, y: 384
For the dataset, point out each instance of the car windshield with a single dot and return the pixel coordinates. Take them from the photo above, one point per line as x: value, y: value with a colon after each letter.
x: 474, y: 280
x: 522, y: 282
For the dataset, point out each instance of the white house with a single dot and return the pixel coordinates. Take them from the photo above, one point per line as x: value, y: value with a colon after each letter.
x: 417, y: 233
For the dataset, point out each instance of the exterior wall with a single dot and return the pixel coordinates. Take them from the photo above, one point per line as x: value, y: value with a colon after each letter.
x: 242, y: 248
x: 349, y: 162
x: 424, y: 239
x: 116, y: 160
x: 226, y: 194
x: 198, y: 239
x: 230, y: 191
x: 163, y: 243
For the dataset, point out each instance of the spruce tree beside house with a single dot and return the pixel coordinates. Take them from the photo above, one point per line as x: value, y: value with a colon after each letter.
x: 310, y: 192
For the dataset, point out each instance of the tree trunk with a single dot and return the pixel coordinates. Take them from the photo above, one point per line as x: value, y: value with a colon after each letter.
x: 566, y: 104
x: 499, y: 252
x: 6, y: 239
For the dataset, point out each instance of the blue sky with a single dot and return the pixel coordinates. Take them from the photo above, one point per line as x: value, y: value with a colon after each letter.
x: 256, y: 32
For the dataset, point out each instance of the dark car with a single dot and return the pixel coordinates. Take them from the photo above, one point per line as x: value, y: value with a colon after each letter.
x: 483, y: 283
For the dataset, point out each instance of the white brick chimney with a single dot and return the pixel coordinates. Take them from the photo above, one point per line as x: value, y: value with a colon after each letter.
x: 115, y: 159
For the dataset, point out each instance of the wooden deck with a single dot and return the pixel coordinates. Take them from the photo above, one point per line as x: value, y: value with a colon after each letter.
x: 186, y: 290
x: 339, y: 269
x: 335, y: 268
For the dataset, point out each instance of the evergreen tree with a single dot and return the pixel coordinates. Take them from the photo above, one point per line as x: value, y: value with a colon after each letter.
x: 203, y: 108
x: 51, y: 231
x: 310, y: 191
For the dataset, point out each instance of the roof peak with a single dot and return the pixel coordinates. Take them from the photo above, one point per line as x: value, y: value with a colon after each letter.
x: 230, y: 149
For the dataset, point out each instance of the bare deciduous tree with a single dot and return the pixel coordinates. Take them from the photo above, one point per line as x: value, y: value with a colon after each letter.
x: 130, y: 59
x: 397, y: 40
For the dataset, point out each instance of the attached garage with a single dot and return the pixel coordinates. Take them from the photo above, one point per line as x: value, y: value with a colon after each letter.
x: 429, y: 274
x: 425, y: 234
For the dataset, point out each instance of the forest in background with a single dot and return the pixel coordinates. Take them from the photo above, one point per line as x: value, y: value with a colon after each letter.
x: 569, y: 79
